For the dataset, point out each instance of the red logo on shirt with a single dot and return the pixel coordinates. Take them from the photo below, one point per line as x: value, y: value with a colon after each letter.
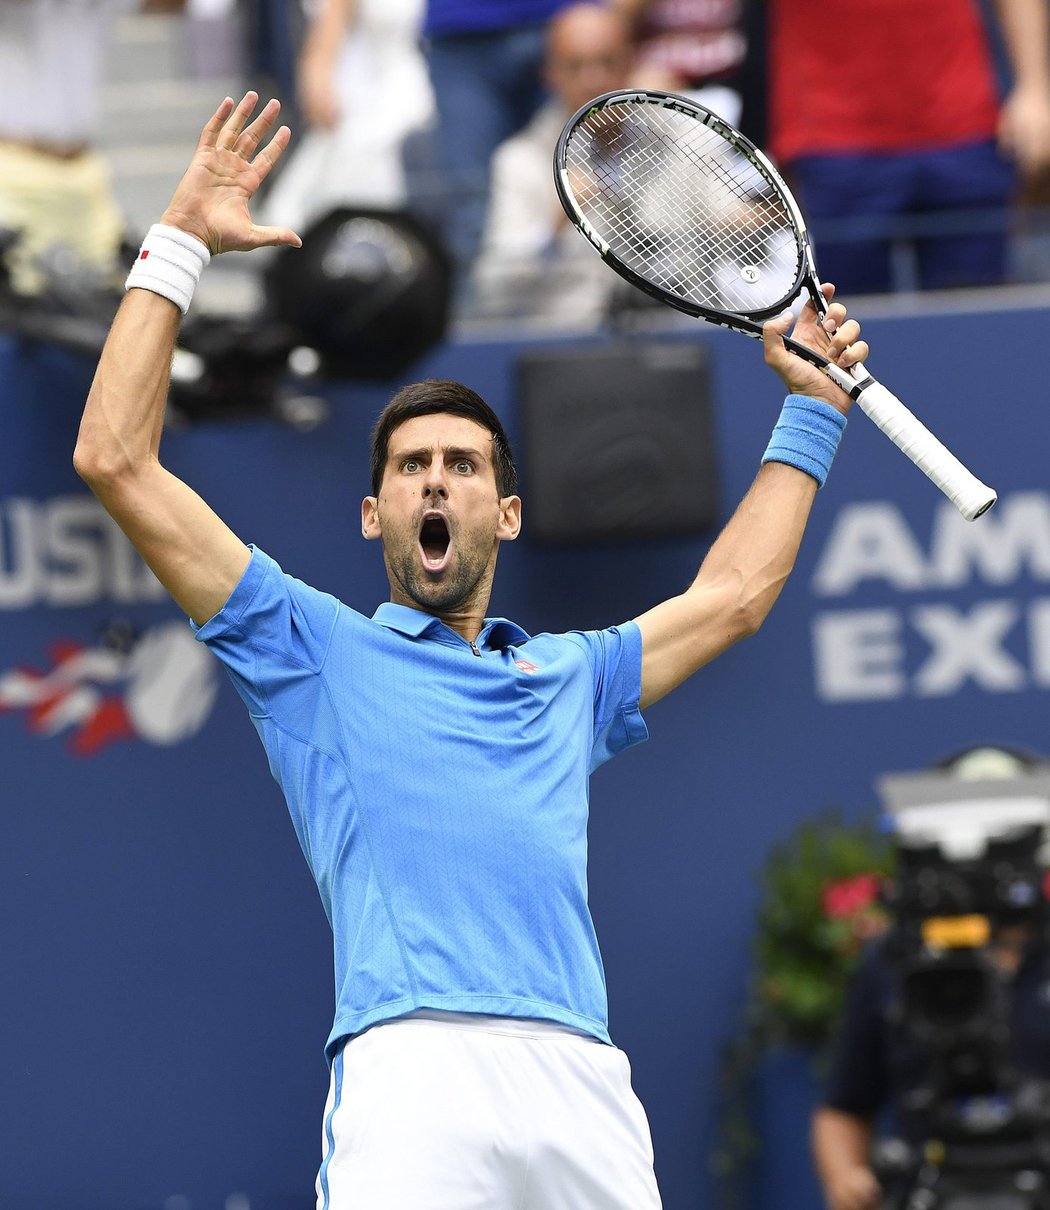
x: 525, y: 666
x: 143, y: 254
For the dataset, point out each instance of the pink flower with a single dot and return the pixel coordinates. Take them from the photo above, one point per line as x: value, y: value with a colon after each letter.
x: 849, y: 897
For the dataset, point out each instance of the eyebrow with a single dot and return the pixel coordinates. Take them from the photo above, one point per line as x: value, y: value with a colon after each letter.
x: 450, y: 451
x: 464, y: 451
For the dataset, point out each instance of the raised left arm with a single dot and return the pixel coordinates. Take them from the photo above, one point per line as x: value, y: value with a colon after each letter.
x: 749, y: 563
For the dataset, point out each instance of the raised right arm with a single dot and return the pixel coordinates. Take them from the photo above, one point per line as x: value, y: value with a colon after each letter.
x: 191, y: 550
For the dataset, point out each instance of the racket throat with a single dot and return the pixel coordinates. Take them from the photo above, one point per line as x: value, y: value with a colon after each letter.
x: 853, y: 384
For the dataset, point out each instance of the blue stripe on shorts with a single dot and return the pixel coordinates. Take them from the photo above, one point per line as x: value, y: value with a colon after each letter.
x: 337, y: 1076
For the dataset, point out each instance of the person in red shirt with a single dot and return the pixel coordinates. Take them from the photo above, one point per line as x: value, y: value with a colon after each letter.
x: 895, y: 134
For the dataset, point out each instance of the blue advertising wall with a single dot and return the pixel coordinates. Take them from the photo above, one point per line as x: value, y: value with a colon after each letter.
x: 165, y: 961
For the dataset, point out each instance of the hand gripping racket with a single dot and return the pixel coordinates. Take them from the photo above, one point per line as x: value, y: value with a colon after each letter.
x: 687, y: 209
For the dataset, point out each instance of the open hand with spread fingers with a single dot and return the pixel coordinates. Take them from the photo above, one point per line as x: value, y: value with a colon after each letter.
x: 233, y: 158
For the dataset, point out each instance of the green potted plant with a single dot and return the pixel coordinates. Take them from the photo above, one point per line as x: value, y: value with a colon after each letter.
x: 820, y: 904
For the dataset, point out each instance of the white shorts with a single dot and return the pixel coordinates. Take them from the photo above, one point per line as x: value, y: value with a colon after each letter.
x: 438, y: 1111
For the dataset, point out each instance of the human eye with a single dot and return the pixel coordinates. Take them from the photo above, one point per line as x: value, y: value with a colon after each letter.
x: 464, y: 466
x: 410, y: 465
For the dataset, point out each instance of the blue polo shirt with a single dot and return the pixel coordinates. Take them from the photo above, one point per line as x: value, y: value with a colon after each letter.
x: 439, y: 790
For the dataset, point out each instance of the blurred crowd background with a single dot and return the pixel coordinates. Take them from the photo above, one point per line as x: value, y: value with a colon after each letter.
x: 439, y: 119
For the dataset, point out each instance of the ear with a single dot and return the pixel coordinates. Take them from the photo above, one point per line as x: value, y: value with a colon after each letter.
x: 370, y: 527
x: 509, y: 518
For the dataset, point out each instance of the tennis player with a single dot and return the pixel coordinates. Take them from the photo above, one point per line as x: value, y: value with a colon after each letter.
x: 435, y: 761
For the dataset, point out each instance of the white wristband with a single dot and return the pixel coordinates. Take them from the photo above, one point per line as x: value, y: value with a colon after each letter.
x: 169, y: 263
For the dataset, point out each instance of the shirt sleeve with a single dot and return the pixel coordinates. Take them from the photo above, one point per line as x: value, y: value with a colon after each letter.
x: 273, y: 635
x: 615, y: 657
x: 859, y: 1076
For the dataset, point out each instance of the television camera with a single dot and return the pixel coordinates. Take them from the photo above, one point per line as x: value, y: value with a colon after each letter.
x: 364, y: 299
x: 968, y: 907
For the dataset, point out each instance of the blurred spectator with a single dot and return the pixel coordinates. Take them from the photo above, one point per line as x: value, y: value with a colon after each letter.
x: 533, y: 261
x: 55, y: 189
x: 898, y: 126
x: 693, y: 47
x: 274, y: 29
x: 485, y: 59
x: 362, y: 89
x: 218, y: 40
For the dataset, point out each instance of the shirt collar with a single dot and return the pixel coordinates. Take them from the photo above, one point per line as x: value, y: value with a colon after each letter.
x: 496, y: 633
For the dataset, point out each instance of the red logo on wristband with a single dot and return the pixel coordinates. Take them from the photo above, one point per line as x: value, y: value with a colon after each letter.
x: 143, y: 254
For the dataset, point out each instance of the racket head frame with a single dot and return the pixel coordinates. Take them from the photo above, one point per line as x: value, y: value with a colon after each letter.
x: 969, y: 494
x: 749, y: 323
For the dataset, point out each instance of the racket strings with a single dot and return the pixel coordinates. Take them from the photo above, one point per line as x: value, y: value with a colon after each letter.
x: 661, y: 223
x: 666, y: 209
x: 683, y: 207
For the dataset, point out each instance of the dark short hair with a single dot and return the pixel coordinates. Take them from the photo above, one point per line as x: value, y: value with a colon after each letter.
x: 442, y: 395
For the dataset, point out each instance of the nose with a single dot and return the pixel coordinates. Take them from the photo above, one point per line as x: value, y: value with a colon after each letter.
x: 435, y: 485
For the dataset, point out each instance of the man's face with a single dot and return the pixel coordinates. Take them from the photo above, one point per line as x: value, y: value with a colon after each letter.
x: 440, y: 515
x: 588, y: 53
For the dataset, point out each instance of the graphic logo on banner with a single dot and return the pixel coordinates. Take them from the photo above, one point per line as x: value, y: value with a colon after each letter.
x: 68, y: 551
x: 937, y: 645
x: 158, y: 687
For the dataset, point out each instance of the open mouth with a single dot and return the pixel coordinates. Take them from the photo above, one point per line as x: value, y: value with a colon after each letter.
x: 434, y: 541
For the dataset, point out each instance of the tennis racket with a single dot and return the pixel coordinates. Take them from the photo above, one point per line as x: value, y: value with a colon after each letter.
x: 687, y: 209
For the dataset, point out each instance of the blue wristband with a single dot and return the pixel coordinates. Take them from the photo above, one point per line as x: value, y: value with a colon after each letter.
x: 806, y: 436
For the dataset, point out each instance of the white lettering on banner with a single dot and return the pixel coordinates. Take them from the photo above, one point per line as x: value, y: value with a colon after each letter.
x: 967, y: 647
x: 872, y: 542
x: 869, y: 542
x: 933, y: 649
x: 858, y: 655
x: 67, y: 551
x: 1017, y: 541
x: 1039, y: 630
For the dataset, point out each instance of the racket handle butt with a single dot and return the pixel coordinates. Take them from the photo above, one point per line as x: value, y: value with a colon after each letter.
x: 977, y: 501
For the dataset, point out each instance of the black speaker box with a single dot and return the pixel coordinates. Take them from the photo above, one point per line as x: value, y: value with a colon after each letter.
x: 617, y: 442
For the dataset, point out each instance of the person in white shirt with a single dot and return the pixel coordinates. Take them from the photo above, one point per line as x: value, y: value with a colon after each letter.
x: 363, y: 89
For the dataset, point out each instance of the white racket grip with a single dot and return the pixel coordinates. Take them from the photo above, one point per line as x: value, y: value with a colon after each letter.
x: 969, y: 495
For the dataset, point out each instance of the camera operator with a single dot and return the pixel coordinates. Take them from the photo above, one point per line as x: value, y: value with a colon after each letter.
x: 944, y: 1040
